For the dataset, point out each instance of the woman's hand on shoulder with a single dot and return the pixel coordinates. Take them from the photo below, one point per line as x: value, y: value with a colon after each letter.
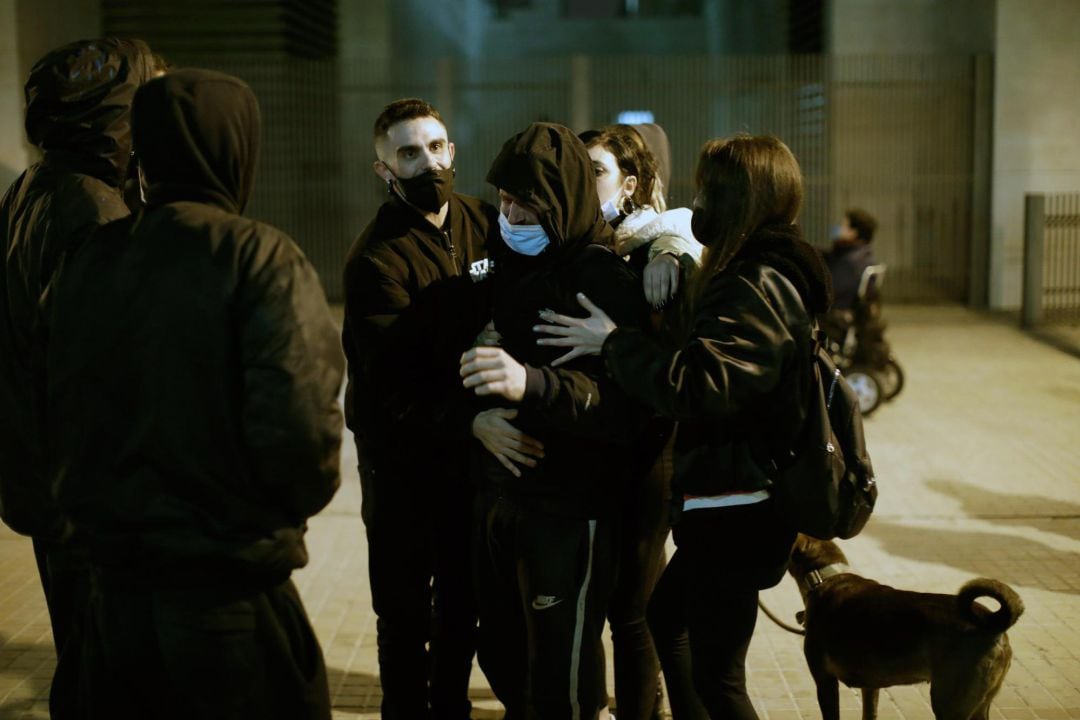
x: 661, y: 279
x: 584, y: 336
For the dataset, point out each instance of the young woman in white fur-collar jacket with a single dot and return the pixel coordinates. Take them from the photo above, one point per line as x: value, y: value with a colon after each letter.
x: 656, y: 240
x: 659, y: 244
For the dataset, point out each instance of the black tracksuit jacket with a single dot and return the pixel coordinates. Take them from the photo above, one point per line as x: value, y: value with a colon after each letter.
x: 412, y: 307
x: 585, y: 421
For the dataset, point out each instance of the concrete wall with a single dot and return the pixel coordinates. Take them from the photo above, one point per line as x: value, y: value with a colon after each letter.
x: 12, y: 147
x: 910, y: 27
x: 1036, y: 125
x: 28, y: 30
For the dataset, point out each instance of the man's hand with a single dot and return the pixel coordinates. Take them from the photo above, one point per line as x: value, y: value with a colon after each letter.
x: 506, y: 442
x: 491, y: 371
x: 661, y: 279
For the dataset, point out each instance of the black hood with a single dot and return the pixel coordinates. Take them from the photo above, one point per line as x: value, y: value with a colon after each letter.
x: 197, y: 138
x: 782, y: 247
x: 78, y: 104
x: 549, y: 167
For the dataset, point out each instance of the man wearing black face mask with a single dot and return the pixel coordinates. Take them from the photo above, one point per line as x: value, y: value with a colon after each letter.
x: 411, y: 309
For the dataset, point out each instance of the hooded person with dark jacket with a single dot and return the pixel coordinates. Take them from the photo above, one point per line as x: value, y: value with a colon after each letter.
x: 737, y: 384
x: 193, y: 372
x: 547, y: 550
x: 78, y: 106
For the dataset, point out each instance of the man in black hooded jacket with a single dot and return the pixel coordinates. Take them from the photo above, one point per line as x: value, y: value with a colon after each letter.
x: 546, y: 556
x: 78, y: 103
x: 411, y: 308
x: 193, y: 371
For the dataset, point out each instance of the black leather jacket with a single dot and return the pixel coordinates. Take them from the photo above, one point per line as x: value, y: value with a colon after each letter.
x: 737, y: 386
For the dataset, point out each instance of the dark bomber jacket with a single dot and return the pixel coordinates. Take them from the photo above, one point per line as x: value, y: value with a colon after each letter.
x: 78, y: 113
x: 193, y: 364
x: 737, y: 388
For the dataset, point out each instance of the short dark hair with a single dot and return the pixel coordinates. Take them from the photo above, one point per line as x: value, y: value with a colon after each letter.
x: 404, y: 109
x: 862, y: 223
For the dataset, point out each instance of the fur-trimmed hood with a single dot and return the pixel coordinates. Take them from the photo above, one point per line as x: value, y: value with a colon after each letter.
x: 645, y: 226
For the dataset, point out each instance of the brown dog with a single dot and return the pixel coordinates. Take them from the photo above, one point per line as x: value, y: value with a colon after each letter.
x: 871, y: 636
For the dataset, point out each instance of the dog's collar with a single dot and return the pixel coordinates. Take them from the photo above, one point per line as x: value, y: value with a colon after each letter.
x: 814, y: 578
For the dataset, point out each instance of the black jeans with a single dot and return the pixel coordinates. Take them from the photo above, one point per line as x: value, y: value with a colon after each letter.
x: 419, y: 564
x: 214, y: 653
x: 545, y: 584
x: 707, y: 600
x: 643, y: 532
x: 65, y: 580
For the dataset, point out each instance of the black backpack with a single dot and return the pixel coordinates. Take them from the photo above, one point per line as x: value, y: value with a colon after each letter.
x: 825, y: 486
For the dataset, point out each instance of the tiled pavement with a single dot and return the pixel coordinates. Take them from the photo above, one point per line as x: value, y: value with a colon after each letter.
x: 979, y: 466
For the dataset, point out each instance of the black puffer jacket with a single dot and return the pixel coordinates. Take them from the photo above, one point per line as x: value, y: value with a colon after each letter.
x: 193, y: 363
x: 78, y: 113
x: 584, y: 420
x: 738, y: 385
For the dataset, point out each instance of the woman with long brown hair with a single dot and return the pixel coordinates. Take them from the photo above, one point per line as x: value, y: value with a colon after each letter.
x: 737, y: 385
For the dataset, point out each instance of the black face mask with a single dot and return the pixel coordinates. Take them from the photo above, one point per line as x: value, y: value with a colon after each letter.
x: 428, y: 191
x: 699, y: 225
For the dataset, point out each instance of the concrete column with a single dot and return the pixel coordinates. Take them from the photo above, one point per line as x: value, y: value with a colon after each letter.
x: 1036, y: 125
x: 13, y: 157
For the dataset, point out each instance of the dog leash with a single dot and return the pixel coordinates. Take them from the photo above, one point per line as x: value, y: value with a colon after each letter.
x: 778, y: 621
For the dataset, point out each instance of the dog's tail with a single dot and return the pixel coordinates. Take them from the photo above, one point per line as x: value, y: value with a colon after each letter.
x: 1001, y: 619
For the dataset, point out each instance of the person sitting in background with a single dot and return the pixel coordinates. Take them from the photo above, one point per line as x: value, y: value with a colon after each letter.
x: 850, y: 255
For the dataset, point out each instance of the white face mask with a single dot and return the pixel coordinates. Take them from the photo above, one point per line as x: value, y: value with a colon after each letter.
x: 610, y: 209
x: 523, y: 239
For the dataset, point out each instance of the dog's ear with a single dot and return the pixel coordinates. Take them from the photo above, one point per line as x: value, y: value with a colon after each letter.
x: 800, y: 617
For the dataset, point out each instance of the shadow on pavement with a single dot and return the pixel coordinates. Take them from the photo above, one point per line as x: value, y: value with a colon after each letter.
x: 353, y: 691
x: 18, y: 709
x: 1028, y: 510
x: 1008, y: 558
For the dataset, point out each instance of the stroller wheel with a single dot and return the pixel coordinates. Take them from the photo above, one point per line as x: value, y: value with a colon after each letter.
x: 892, y: 379
x: 867, y: 389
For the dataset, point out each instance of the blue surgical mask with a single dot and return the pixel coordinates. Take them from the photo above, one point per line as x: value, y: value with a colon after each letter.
x: 523, y: 239
x: 611, y: 209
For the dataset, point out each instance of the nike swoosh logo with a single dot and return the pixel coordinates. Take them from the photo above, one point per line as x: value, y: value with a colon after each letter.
x: 543, y: 602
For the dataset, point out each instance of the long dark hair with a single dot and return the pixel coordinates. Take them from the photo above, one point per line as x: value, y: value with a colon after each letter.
x: 744, y: 183
x: 633, y: 158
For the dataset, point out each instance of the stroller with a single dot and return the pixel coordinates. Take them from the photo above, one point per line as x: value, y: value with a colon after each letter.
x: 856, y: 341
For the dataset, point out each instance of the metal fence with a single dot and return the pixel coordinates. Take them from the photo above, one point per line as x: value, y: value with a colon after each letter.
x: 897, y: 136
x: 892, y: 135
x: 1051, y: 259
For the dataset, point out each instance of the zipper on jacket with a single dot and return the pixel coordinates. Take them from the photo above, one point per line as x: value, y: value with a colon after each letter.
x: 453, y: 251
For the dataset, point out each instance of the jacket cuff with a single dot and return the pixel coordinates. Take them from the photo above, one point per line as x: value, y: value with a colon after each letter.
x: 535, y: 384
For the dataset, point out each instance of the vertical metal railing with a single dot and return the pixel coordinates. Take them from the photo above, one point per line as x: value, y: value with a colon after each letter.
x: 1051, y: 260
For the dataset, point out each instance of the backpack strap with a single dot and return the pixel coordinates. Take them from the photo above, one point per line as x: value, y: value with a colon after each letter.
x: 819, y: 343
